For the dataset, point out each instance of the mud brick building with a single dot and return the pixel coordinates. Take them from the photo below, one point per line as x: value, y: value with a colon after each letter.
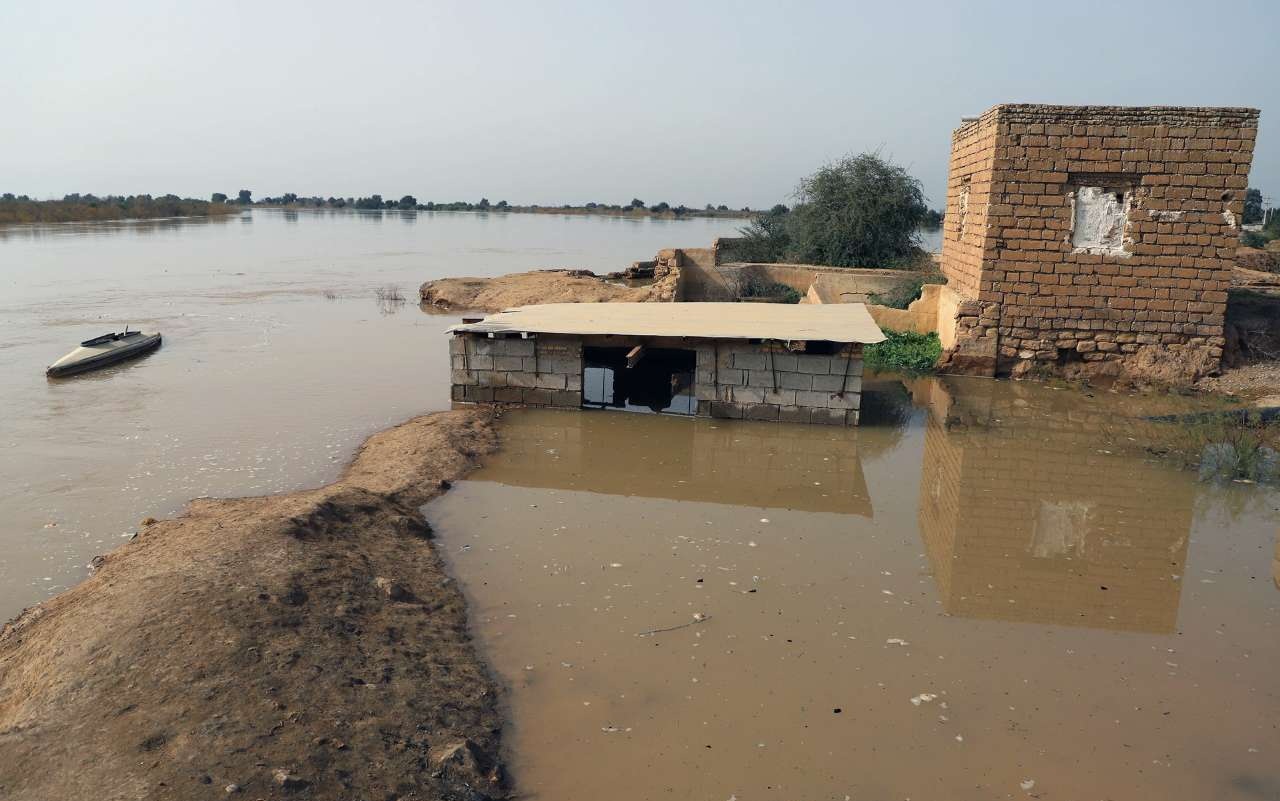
x: 1093, y: 234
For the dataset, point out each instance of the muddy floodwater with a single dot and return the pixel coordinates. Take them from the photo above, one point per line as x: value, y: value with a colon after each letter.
x: 986, y: 591
x: 277, y: 358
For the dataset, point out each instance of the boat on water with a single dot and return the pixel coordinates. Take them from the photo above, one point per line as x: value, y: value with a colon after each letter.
x: 104, y: 350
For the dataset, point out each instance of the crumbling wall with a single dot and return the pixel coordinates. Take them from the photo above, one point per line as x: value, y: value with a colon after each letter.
x: 964, y: 228
x: 1108, y: 232
x: 538, y: 371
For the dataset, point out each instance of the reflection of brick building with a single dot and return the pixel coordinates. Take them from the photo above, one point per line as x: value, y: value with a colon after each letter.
x: 1025, y: 520
x: 1093, y: 233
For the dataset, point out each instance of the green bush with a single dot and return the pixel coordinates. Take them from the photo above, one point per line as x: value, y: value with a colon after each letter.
x: 862, y: 211
x: 777, y: 292
x: 904, y: 351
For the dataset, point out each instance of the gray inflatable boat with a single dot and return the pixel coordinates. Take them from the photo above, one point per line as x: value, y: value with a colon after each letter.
x: 104, y: 350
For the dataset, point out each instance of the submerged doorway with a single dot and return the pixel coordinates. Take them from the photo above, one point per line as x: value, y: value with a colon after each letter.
x: 639, y: 379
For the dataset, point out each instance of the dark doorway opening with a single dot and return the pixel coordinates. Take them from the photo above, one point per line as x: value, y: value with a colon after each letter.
x: 658, y: 380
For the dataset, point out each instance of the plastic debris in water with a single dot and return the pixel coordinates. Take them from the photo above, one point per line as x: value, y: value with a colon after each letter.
x: 923, y: 698
x: 1027, y: 784
x: 896, y: 641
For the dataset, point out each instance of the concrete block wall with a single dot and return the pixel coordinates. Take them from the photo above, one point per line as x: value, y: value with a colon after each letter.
x: 769, y: 382
x: 541, y: 371
x: 1092, y: 233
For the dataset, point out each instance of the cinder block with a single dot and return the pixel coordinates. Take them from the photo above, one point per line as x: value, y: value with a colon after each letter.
x: 783, y: 397
x: 538, y: 397
x: 508, y: 395
x: 730, y: 376
x: 783, y: 361
x: 551, y: 381
x: 508, y: 363
x: 761, y: 411
x: 816, y: 365
x: 521, y: 379
x: 815, y: 400
x: 458, y: 392
x: 801, y: 381
x: 849, y: 400
x: 478, y: 394
x: 828, y: 383
x: 794, y: 414
x: 747, y: 394
x: 566, y: 399
x: 749, y: 361
x: 831, y: 417
x: 491, y: 378
x: 764, y: 379
x: 728, y: 410
x: 462, y: 377
x: 479, y: 362
x: 573, y: 382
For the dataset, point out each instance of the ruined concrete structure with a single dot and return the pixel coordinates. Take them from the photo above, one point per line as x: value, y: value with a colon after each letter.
x: 701, y: 360
x: 1092, y: 234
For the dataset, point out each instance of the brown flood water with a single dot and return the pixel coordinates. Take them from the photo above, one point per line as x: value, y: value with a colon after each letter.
x: 975, y: 595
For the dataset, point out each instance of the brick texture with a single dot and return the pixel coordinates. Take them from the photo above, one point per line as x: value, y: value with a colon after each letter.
x: 1015, y: 176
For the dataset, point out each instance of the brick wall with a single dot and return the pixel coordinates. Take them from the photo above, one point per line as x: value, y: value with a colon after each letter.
x: 1068, y: 287
x: 973, y: 150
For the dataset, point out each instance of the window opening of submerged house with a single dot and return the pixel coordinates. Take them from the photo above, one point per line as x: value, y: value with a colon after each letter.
x: 637, y: 378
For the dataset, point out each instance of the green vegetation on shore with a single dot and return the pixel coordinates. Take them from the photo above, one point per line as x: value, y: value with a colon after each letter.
x: 77, y: 207
x: 861, y: 211
x: 636, y: 208
x: 904, y: 351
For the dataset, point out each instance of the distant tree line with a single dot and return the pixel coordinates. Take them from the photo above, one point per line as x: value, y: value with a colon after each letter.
x: 76, y: 207
x: 410, y: 203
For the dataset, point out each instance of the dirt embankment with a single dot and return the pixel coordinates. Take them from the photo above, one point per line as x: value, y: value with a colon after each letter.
x: 539, y: 286
x: 305, y: 646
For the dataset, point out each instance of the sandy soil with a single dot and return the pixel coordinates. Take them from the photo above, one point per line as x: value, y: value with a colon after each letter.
x: 302, y: 646
x: 540, y: 286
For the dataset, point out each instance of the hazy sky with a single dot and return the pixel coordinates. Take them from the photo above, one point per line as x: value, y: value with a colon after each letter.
x: 550, y: 102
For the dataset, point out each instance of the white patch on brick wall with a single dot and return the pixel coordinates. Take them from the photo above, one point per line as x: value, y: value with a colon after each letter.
x: 1099, y: 219
x: 1229, y: 218
x: 964, y: 206
x: 1165, y: 216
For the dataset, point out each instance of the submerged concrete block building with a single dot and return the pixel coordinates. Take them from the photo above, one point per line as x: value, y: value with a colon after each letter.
x: 751, y: 361
x: 1092, y: 234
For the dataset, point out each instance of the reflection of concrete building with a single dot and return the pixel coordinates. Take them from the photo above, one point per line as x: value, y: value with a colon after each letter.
x: 1025, y: 520
x: 788, y: 467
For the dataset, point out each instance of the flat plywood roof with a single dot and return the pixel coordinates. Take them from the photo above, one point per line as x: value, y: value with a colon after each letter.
x: 837, y: 322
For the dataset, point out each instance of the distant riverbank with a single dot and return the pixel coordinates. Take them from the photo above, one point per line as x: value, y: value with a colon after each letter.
x: 660, y: 211
x: 91, y: 208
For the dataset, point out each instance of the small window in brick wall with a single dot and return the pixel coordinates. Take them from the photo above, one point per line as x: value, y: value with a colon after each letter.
x: 1100, y: 218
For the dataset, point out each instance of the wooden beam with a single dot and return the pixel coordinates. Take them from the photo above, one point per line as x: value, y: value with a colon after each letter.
x: 634, y: 356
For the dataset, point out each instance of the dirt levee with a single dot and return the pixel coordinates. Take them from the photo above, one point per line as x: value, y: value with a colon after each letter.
x: 302, y: 646
x: 541, y: 286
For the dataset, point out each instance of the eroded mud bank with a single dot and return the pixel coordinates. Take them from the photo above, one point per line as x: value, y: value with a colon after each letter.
x: 305, y: 645
x: 539, y: 286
